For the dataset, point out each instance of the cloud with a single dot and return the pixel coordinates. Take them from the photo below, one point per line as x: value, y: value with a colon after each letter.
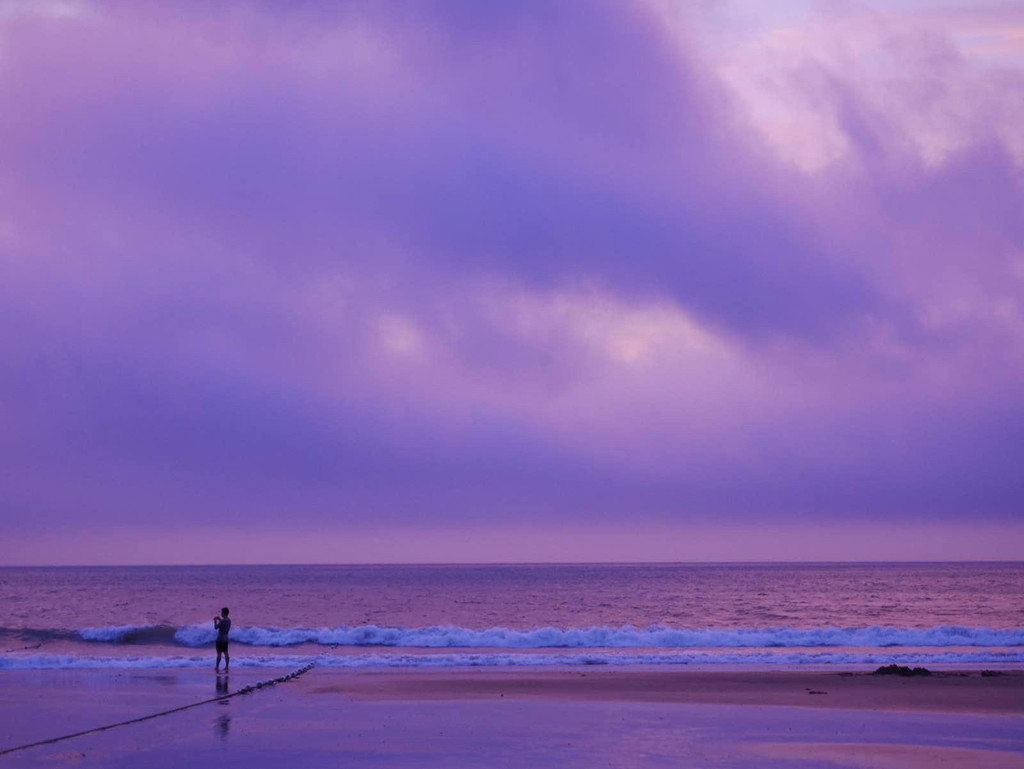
x: 597, y: 152
x: 384, y: 264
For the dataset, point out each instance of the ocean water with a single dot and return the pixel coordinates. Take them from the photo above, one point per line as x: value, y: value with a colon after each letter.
x: 736, y: 615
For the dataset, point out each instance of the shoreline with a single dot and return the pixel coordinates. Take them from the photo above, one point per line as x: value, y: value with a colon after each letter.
x: 520, y: 717
x: 995, y: 691
x: 961, y: 691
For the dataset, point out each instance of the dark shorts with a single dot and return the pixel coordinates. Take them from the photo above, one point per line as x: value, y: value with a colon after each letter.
x: 222, y: 647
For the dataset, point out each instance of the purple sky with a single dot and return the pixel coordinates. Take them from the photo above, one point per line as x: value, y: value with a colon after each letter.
x: 464, y: 281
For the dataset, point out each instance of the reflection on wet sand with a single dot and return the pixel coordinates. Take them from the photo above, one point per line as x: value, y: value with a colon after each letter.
x: 223, y: 724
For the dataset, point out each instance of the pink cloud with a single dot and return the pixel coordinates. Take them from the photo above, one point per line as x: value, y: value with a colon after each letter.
x: 436, y: 265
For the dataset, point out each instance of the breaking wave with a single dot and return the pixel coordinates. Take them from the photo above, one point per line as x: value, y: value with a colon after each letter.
x: 626, y: 637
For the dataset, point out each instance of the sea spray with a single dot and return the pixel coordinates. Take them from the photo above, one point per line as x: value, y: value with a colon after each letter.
x: 626, y: 637
x: 451, y: 637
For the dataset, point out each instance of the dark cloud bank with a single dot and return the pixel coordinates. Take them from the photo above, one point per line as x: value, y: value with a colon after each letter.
x: 210, y: 215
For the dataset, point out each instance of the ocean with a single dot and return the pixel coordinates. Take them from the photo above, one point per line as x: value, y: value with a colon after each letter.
x: 732, y: 615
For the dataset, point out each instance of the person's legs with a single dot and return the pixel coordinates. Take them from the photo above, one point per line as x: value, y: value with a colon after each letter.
x: 227, y: 660
x: 217, y: 666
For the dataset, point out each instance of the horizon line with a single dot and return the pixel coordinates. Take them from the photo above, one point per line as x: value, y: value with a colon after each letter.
x: 752, y: 562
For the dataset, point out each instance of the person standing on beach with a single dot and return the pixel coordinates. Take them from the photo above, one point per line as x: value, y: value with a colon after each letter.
x: 223, y: 625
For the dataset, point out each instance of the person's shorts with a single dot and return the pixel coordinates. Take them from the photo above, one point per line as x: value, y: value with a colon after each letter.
x: 222, y: 647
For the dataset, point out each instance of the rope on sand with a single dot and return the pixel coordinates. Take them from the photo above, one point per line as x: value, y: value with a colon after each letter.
x: 22, y: 648
x: 245, y: 690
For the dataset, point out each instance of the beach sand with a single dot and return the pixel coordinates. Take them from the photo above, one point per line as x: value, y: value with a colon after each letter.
x: 518, y: 718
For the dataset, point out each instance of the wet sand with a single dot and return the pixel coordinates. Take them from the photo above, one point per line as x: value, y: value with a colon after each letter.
x: 942, y: 692
x: 519, y: 718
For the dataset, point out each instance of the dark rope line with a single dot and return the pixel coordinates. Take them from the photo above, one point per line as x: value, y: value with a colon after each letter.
x: 23, y: 648
x: 246, y: 690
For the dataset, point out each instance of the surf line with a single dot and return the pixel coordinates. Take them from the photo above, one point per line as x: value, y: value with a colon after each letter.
x: 245, y: 690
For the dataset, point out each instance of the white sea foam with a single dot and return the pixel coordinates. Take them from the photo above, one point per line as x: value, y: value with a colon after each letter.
x: 504, y: 659
x: 118, y: 633
x: 626, y: 637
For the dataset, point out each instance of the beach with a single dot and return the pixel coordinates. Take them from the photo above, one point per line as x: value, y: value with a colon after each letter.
x: 517, y: 718
x: 660, y: 665
x: 511, y: 385
x: 559, y: 383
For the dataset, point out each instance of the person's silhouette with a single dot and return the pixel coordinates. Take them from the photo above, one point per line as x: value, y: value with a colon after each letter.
x: 223, y: 625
